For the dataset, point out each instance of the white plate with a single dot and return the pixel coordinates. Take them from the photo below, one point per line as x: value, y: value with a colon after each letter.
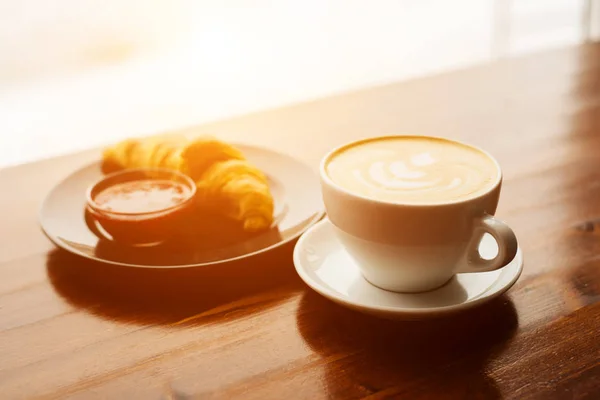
x: 298, y: 205
x: 325, y: 266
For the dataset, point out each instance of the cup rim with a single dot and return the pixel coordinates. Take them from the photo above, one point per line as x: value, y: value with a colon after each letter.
x: 326, y: 179
x: 99, y: 210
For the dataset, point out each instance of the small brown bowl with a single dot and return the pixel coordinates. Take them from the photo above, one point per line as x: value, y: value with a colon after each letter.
x: 139, y: 228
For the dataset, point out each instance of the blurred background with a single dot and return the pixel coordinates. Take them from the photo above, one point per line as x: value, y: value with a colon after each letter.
x: 76, y: 74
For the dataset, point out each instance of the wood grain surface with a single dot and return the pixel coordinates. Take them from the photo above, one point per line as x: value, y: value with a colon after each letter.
x: 73, y: 329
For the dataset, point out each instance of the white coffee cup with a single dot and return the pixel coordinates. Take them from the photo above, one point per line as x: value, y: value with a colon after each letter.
x: 416, y: 247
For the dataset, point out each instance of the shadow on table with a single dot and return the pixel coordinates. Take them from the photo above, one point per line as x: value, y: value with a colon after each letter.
x: 443, y: 358
x: 180, y: 296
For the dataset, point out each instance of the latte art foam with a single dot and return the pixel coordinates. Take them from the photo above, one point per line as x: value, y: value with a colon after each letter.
x: 413, y: 169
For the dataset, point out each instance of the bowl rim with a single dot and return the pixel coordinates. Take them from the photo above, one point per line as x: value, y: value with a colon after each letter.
x: 188, y: 181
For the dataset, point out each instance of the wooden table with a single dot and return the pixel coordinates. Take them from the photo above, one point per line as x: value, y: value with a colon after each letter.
x: 74, y: 329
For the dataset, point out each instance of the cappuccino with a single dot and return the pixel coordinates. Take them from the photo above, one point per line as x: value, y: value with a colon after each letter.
x: 413, y: 170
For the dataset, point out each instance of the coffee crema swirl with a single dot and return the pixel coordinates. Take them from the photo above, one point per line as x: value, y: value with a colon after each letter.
x: 413, y: 170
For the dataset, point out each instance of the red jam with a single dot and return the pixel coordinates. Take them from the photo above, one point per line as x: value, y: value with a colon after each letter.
x: 143, y: 196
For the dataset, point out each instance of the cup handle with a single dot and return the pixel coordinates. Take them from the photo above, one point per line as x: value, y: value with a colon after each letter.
x: 507, y: 246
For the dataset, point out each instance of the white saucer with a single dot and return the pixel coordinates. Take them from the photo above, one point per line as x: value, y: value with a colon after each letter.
x: 324, y: 265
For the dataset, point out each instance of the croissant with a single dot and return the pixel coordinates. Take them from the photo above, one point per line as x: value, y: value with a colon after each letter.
x: 226, y: 182
x: 240, y: 191
x: 163, y: 152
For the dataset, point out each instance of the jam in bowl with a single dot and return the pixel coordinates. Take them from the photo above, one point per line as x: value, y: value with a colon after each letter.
x: 142, y: 206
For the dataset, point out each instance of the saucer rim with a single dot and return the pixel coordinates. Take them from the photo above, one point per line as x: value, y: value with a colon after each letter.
x: 334, y: 295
